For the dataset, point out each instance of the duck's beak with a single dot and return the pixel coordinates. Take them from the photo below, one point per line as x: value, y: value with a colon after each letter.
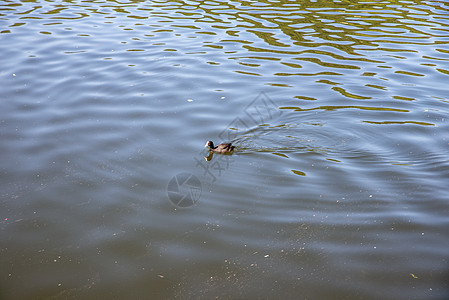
x: 205, y: 146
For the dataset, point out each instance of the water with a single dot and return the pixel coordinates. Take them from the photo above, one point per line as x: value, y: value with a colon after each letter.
x: 338, y: 186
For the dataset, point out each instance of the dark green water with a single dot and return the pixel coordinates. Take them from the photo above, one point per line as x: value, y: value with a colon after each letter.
x: 338, y: 188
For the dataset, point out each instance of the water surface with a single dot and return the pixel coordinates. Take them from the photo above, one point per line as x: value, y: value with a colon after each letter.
x: 337, y: 188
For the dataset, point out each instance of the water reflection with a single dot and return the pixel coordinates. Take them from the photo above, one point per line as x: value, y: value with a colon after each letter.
x: 337, y: 188
x: 211, y: 155
x: 320, y: 39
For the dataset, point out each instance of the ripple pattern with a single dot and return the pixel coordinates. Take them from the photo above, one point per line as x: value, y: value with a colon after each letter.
x: 338, y: 187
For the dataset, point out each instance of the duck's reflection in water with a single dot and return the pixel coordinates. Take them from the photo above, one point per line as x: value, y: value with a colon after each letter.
x: 211, y: 155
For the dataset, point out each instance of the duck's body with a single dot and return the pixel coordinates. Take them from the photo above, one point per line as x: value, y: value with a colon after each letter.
x: 222, y: 148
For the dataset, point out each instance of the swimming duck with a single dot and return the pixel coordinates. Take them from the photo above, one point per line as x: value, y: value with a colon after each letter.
x: 222, y: 148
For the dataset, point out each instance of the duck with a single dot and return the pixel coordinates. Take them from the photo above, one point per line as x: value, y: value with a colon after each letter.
x: 222, y: 148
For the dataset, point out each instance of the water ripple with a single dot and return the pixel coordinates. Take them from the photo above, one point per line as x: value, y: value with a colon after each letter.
x: 341, y: 180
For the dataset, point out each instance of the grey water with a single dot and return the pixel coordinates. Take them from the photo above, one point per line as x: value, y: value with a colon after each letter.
x: 338, y: 187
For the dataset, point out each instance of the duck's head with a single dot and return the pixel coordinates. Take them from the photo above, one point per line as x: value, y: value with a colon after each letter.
x: 209, y: 144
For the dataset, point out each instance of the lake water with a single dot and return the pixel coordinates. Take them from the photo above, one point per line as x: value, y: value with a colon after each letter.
x: 338, y: 187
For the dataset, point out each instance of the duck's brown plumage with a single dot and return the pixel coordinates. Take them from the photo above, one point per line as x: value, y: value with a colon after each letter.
x: 222, y: 148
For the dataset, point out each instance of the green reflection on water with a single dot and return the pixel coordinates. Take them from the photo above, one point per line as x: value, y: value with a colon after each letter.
x: 349, y: 95
x: 399, y: 123
x: 280, y: 154
x: 299, y: 173
x: 338, y: 107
